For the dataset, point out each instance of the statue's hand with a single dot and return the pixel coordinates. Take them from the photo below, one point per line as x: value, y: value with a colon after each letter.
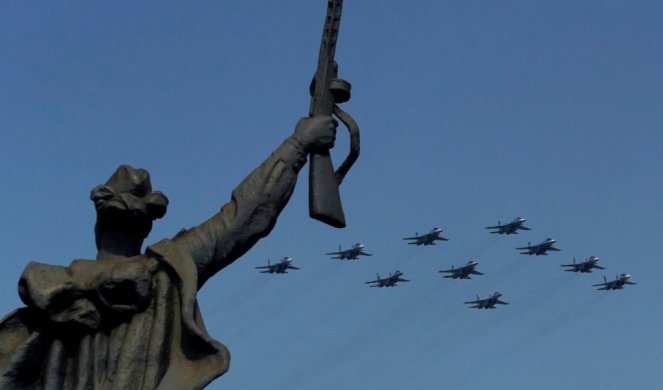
x: 316, y: 132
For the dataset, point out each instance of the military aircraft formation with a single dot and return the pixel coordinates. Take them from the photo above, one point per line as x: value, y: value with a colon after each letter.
x: 465, y: 272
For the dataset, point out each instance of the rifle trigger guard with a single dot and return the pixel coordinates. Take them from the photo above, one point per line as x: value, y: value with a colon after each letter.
x: 353, y: 129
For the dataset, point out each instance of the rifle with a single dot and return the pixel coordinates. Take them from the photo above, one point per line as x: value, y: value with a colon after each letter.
x: 327, y: 90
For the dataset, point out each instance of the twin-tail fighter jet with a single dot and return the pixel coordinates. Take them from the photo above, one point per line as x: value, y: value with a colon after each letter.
x: 509, y: 228
x: 389, y: 281
x: 584, y: 266
x: 428, y: 238
x: 488, y: 303
x: 539, y: 249
x: 616, y: 284
x: 349, y: 254
x: 463, y: 272
x: 281, y: 267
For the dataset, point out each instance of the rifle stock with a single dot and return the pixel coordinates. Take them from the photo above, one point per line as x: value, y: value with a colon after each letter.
x: 324, y: 196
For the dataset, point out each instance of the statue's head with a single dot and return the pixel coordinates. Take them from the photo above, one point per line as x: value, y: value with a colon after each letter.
x: 127, y: 204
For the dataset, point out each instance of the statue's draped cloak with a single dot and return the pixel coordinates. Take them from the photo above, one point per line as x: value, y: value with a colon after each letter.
x: 108, y: 325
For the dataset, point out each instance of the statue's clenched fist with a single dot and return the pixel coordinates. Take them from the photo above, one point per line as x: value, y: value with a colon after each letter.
x: 316, y: 132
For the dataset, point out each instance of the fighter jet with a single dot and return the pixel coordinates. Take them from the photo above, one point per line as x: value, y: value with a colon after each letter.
x: 509, y: 228
x: 488, y: 303
x: 539, y: 249
x: 428, y: 238
x: 616, y: 284
x: 462, y: 272
x: 389, y: 281
x: 281, y: 267
x: 584, y: 266
x: 349, y: 254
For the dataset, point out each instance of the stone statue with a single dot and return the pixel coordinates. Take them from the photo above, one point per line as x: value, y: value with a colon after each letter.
x: 130, y: 320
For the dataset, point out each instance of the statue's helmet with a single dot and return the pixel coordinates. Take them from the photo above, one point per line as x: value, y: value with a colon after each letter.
x: 127, y: 202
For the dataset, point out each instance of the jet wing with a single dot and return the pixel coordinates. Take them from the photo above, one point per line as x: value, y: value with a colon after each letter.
x: 476, y: 302
x: 501, y: 302
x: 267, y: 269
x: 365, y: 254
x: 605, y: 285
x: 412, y: 238
x: 292, y: 267
x: 452, y: 273
x: 402, y: 280
x: 528, y: 247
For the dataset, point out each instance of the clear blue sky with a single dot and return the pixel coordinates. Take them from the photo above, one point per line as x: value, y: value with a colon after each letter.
x: 471, y: 112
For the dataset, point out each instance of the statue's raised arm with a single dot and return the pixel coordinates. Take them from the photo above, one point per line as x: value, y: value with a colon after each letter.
x: 256, y: 203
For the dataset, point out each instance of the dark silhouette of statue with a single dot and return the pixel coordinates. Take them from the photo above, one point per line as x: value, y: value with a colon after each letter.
x: 130, y: 320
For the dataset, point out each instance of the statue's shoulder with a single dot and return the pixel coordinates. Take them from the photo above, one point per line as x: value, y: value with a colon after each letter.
x: 169, y: 253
